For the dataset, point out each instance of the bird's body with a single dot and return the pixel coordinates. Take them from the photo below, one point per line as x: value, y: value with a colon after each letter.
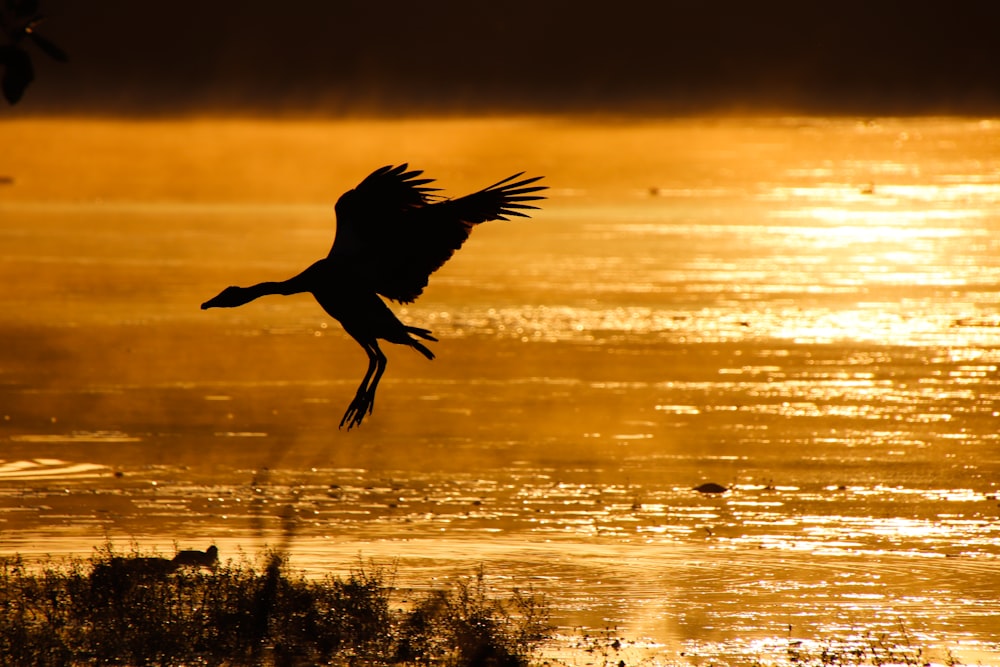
x: 392, y: 234
x: 361, y: 312
x: 194, y: 558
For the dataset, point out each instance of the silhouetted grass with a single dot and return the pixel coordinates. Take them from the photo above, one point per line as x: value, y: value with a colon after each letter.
x: 132, y: 611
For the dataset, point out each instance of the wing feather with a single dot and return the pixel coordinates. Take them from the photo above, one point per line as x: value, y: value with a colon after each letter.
x: 396, y: 232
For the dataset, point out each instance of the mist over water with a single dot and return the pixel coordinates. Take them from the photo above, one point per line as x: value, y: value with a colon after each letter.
x: 803, y: 310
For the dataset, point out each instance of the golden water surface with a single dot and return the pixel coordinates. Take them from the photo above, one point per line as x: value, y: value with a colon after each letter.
x: 806, y: 311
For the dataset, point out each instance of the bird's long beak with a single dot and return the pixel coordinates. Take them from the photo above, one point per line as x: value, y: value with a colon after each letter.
x: 228, y: 298
x: 212, y: 303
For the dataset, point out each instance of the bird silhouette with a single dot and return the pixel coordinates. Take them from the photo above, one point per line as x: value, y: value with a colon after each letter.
x: 208, y: 558
x: 393, y: 232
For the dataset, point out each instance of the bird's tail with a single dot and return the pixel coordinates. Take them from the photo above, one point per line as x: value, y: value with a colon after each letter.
x: 418, y: 346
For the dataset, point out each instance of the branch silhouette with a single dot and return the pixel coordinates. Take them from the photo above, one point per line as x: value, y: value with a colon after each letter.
x: 19, y: 20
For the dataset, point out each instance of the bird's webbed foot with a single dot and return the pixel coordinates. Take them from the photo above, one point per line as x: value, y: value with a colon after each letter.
x: 363, y: 404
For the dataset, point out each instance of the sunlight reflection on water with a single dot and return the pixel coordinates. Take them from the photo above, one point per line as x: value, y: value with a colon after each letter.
x: 817, y: 332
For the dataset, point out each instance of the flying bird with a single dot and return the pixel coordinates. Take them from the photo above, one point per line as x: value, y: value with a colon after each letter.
x: 393, y: 232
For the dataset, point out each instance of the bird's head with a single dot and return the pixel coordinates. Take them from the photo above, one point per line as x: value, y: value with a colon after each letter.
x: 228, y: 298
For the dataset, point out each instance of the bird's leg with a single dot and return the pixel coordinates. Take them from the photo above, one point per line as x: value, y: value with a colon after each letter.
x: 356, y: 410
x: 364, y: 399
x: 380, y: 361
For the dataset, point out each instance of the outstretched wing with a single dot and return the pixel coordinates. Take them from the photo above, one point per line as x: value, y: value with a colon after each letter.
x: 369, y: 214
x: 395, y: 232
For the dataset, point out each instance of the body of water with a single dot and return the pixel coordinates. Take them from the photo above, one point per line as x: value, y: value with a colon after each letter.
x: 805, y: 311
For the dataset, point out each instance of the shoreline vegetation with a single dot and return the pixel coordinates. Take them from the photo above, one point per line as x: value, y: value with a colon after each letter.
x: 143, y: 609
x: 140, y: 609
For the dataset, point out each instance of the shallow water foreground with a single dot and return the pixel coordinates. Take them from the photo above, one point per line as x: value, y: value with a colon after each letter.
x: 802, y: 310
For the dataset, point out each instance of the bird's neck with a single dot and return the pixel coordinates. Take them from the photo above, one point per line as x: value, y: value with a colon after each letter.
x: 284, y: 288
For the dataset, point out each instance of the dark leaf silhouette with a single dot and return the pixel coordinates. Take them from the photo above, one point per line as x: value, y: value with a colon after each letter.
x: 23, y: 8
x: 18, y: 72
x: 19, y: 19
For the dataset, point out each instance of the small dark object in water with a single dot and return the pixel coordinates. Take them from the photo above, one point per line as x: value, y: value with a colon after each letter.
x: 711, y: 487
x: 6, y: 180
x: 208, y: 558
